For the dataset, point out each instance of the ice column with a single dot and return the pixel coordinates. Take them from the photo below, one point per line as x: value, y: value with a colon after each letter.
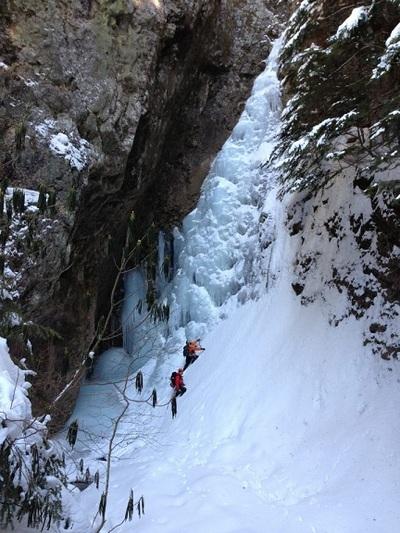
x: 214, y: 249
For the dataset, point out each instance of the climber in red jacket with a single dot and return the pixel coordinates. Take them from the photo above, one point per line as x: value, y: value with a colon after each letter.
x: 179, y: 385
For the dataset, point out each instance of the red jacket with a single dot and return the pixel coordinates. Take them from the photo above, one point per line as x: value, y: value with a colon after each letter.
x: 178, y: 381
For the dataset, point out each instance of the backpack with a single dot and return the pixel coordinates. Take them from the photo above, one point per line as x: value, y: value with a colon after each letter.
x: 172, y: 380
x: 185, y: 350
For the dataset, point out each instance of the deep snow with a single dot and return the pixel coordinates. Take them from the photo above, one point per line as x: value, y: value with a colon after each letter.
x: 289, y: 425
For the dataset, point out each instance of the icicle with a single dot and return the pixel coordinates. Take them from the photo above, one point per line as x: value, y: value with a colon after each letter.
x: 129, y: 508
x: 139, y: 382
x: 102, y: 505
x: 72, y: 433
x: 173, y: 407
x: 142, y: 503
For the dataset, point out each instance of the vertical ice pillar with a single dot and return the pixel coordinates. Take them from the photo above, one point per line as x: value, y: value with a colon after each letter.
x: 215, y: 247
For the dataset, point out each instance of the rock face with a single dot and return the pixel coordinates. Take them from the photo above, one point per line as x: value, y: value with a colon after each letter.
x: 112, y: 106
x: 340, y: 73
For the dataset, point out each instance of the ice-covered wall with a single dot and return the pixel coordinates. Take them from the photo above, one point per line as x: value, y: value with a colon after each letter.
x: 214, y: 250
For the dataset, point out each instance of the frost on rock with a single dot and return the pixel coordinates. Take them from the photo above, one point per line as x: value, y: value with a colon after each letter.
x: 76, y: 155
x: 31, y: 197
x: 74, y: 149
x: 358, y: 16
x: 13, y: 255
x: 45, y: 127
x: 27, y: 231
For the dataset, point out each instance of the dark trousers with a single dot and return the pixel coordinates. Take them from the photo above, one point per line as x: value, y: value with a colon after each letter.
x: 180, y: 392
x: 189, y: 360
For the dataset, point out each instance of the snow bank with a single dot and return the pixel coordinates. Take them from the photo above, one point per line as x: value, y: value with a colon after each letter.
x: 288, y: 422
x: 15, y: 407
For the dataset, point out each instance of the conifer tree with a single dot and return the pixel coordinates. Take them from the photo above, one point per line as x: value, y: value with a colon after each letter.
x: 4, y: 233
x: 72, y: 433
x: 139, y: 382
x: 2, y: 197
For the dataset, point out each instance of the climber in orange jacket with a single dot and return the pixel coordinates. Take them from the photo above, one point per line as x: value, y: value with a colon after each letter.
x: 190, y: 352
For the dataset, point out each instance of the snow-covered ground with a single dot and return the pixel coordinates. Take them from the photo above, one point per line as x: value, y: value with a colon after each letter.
x: 289, y: 425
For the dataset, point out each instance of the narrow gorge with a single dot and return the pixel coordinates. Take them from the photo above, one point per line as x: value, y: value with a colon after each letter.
x: 111, y: 107
x: 218, y: 170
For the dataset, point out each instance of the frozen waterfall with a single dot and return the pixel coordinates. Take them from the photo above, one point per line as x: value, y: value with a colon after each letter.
x: 289, y: 424
x: 214, y: 268
x: 216, y: 246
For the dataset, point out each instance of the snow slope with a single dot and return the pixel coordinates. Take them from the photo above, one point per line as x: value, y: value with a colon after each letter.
x: 289, y: 425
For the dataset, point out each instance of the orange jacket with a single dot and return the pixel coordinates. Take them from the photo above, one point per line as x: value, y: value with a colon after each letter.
x: 194, y: 347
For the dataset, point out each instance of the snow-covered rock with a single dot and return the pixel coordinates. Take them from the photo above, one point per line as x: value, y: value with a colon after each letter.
x: 15, y: 407
x: 352, y: 22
